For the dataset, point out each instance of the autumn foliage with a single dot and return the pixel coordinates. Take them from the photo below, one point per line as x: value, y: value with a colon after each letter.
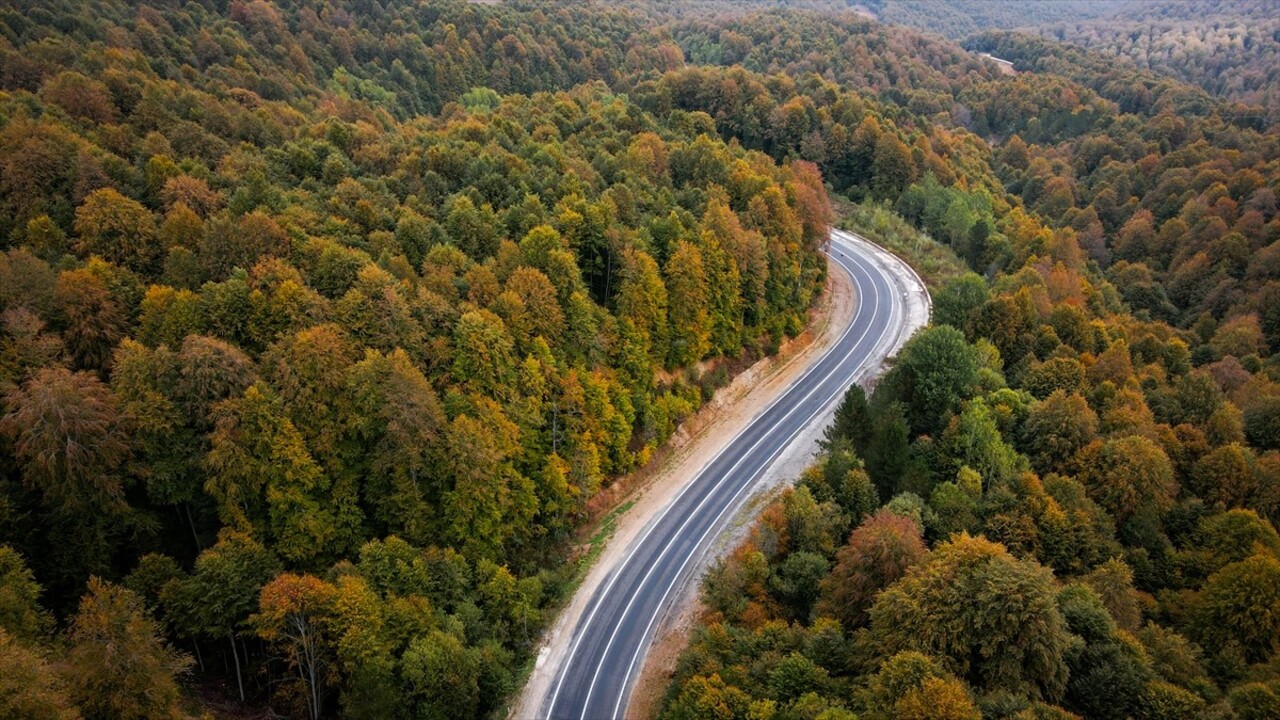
x: 321, y: 326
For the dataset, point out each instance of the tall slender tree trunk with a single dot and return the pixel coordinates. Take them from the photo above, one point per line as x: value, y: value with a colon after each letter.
x: 191, y: 523
x: 608, y: 273
x: 239, y: 682
x: 244, y: 648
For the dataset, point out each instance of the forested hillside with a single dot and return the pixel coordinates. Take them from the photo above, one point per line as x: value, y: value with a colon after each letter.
x: 316, y: 385
x: 846, y: 48
x: 1159, y: 184
x: 957, y: 19
x: 1230, y: 49
x: 321, y: 323
x: 1061, y: 501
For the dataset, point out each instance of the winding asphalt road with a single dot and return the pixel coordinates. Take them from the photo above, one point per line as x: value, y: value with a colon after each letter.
x: 609, y: 644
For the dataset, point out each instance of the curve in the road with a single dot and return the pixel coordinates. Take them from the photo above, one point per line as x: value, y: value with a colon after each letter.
x: 609, y: 643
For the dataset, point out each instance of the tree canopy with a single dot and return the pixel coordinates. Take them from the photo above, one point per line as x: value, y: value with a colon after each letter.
x: 322, y: 327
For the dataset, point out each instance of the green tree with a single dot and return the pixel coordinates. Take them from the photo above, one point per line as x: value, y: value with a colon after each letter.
x: 852, y: 420
x: 958, y: 301
x: 1127, y: 475
x: 1056, y: 429
x: 116, y: 228
x: 935, y: 371
x: 46, y: 239
x: 1165, y: 701
x: 369, y: 632
x: 888, y: 449
x: 1262, y: 423
x: 484, y: 358
x: 1233, y: 536
x: 974, y: 441
x: 1226, y: 475
x: 723, y: 234
x: 842, y: 478
x: 487, y: 495
x: 795, y: 676
x: 642, y: 300
x: 20, y: 613
x: 1240, y: 606
x: 1108, y: 672
x: 1256, y: 700
x: 1052, y: 375
x: 264, y: 480
x: 795, y: 581
x: 399, y: 424
x: 688, y: 298
x: 1175, y: 658
x: 480, y: 99
x: 442, y: 677
x: 166, y: 316
x: 472, y: 228
x: 1197, y: 397
x: 993, y: 616
x: 224, y: 587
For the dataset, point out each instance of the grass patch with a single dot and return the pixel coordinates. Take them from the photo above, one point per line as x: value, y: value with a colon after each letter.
x: 608, y: 525
x: 936, y: 263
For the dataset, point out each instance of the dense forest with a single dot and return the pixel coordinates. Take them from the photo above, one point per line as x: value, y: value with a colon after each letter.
x: 1229, y: 49
x: 305, y: 389
x: 957, y: 19
x: 321, y: 324
x: 1061, y: 500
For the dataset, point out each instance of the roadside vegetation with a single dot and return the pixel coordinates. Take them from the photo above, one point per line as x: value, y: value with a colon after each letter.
x: 1061, y: 500
x: 936, y: 262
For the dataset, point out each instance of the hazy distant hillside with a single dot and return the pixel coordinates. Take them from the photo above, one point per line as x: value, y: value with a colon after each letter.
x: 959, y: 18
x: 1229, y: 49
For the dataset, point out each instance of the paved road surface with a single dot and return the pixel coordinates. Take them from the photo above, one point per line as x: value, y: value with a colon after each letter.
x: 610, y: 642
